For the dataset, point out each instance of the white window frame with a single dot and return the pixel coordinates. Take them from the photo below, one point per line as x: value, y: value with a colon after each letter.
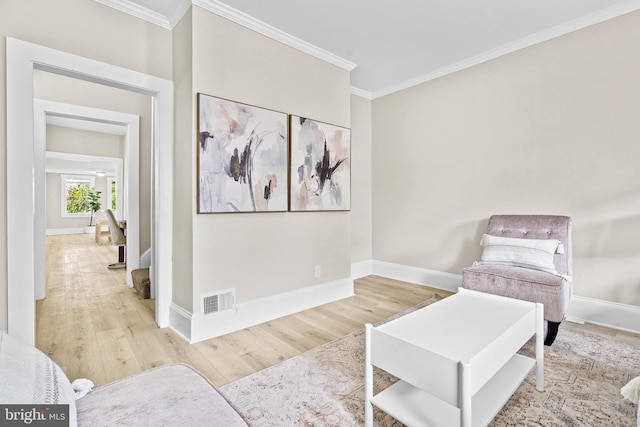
x: 63, y: 194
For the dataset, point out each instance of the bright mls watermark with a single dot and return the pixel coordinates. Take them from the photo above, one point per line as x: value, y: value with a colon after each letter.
x: 34, y: 415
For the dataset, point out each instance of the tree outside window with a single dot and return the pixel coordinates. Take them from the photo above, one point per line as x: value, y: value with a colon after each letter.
x: 77, y: 195
x: 113, y: 195
x: 75, y: 191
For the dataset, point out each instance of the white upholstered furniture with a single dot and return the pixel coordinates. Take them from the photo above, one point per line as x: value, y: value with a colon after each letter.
x: 169, y: 395
x: 528, y: 257
x: 456, y: 359
x: 28, y: 376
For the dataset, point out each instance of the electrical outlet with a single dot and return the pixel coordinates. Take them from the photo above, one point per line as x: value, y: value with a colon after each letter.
x: 317, y: 271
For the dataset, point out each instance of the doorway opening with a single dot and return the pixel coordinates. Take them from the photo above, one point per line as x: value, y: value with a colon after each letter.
x: 125, y: 173
x: 24, y: 217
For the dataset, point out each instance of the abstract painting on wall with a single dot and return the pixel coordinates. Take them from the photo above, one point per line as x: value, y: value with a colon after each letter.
x: 320, y: 166
x: 242, y: 157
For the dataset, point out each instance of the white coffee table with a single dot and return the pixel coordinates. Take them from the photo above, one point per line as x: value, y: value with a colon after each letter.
x: 456, y: 359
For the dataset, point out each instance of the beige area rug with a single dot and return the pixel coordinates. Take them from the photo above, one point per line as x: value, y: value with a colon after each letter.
x: 325, y: 386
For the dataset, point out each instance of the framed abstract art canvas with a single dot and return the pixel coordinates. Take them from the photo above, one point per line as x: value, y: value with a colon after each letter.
x: 320, y: 166
x: 242, y: 157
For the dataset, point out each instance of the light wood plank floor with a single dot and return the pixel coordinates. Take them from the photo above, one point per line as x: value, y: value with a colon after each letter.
x: 95, y: 327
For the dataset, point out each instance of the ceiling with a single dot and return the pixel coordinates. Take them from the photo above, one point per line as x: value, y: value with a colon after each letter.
x: 394, y: 45
x: 73, y: 164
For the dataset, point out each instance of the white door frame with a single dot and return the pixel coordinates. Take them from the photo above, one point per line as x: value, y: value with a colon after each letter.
x: 129, y: 177
x: 22, y: 59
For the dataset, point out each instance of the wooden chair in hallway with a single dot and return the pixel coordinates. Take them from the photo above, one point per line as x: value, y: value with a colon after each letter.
x: 102, y: 230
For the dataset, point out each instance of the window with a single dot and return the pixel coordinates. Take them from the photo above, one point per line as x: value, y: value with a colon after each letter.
x: 74, y: 192
x: 112, y: 196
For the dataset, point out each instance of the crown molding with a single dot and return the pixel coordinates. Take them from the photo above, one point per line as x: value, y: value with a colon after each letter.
x: 138, y: 11
x: 361, y: 92
x: 252, y: 23
x: 560, y: 30
x: 181, y: 10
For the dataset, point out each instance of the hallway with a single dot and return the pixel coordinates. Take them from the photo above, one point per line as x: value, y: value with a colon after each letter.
x: 89, y: 311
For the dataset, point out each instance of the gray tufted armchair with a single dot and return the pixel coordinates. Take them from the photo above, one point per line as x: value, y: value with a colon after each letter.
x: 505, y: 267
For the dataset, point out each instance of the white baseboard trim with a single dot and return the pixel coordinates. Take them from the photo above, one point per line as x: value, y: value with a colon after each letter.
x: 420, y: 276
x: 361, y: 269
x: 180, y: 321
x: 145, y: 259
x: 196, y: 328
x: 614, y: 315
x: 79, y: 230
x: 582, y: 309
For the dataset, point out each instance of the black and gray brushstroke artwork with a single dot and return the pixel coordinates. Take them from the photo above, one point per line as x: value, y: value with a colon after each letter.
x: 242, y: 162
x: 320, y: 155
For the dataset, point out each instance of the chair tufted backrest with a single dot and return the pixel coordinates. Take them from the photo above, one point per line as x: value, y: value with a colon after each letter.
x: 537, y: 227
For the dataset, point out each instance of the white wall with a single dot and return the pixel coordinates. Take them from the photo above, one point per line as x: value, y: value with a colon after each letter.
x: 93, y: 31
x: 361, y: 176
x: 228, y: 61
x: 75, y: 141
x: 184, y: 130
x: 75, y: 92
x: 549, y: 129
x: 263, y: 254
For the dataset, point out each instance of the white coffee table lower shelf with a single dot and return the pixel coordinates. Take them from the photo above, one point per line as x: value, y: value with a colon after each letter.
x: 456, y: 360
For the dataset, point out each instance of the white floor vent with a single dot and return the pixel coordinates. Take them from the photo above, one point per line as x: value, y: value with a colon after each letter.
x: 218, y: 302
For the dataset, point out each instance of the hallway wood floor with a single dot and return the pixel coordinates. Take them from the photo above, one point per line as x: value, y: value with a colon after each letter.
x: 95, y: 327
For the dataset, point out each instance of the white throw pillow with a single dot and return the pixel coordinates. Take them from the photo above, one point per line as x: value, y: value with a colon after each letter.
x: 28, y: 376
x: 536, y: 254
